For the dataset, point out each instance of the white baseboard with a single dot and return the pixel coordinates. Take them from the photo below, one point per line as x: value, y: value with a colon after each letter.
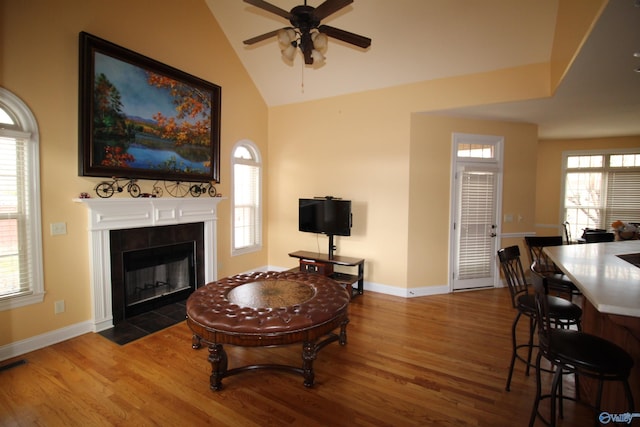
x: 427, y: 290
x: 404, y: 292
x: 40, y: 341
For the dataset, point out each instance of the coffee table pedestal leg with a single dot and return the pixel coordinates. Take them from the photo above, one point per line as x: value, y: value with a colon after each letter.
x: 309, y: 354
x: 343, y: 332
x: 218, y: 360
x: 195, y: 342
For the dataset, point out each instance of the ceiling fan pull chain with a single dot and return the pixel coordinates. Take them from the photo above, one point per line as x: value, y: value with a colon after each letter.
x: 302, y: 77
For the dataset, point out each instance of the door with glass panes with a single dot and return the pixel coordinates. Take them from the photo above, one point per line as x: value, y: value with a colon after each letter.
x: 476, y: 201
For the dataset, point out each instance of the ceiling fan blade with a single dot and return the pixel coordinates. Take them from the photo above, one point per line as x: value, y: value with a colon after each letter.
x: 345, y: 36
x: 261, y: 37
x: 329, y: 7
x: 269, y: 8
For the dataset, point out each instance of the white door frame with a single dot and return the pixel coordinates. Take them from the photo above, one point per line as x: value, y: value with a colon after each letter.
x: 495, y: 163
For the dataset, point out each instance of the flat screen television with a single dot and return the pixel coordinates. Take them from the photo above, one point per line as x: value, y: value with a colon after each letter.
x: 325, y: 216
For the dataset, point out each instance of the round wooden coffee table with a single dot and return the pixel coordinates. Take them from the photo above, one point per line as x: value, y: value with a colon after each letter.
x: 267, y: 309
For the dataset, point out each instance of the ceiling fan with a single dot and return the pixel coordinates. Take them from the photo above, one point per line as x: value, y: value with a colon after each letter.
x: 306, y: 31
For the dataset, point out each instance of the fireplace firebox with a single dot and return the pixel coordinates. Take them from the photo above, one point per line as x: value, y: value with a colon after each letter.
x: 157, y: 275
x: 154, y: 266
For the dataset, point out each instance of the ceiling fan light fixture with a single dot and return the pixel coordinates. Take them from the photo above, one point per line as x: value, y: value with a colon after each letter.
x: 317, y: 56
x: 289, y: 52
x: 320, y: 41
x: 306, y: 31
x: 285, y: 37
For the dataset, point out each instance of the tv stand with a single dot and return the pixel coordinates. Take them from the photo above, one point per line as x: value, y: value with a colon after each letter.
x: 331, y: 246
x: 323, y: 264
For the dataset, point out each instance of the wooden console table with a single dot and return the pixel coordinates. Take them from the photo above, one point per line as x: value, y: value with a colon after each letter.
x: 322, y: 261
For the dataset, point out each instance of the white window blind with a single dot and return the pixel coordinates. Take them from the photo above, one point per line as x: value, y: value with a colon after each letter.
x: 623, y: 194
x: 246, y: 201
x: 247, y: 210
x: 14, y: 263
x: 476, y: 255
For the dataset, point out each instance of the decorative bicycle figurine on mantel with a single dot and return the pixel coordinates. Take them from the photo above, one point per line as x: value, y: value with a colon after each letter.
x: 177, y: 188
x: 157, y: 190
x: 105, y: 189
x: 203, y: 187
x: 182, y: 188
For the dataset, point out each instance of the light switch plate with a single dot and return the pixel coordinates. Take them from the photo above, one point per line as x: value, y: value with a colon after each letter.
x: 58, y: 228
x: 59, y: 307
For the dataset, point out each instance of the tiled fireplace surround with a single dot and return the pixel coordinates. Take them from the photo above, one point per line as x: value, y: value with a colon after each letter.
x: 123, y: 213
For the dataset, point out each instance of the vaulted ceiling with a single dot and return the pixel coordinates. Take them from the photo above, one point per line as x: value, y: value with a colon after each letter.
x: 420, y: 40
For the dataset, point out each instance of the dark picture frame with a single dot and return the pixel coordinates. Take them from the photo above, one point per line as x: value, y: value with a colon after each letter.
x: 142, y: 119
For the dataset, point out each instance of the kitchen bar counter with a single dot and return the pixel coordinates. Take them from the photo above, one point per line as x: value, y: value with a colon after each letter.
x: 611, y: 284
x: 611, y: 304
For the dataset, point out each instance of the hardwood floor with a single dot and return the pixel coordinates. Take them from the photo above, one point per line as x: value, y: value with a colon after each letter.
x: 440, y: 360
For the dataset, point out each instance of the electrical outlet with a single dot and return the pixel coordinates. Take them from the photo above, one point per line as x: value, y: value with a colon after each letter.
x: 59, y: 307
x: 58, y: 228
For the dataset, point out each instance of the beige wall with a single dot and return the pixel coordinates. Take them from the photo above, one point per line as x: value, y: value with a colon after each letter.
x: 549, y: 175
x: 351, y: 147
x: 39, y: 63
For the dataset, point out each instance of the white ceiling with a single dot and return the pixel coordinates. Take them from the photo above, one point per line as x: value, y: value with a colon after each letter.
x: 420, y: 40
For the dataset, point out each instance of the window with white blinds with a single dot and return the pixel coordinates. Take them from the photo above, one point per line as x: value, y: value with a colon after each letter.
x: 20, y: 240
x: 247, y: 210
x: 601, y: 188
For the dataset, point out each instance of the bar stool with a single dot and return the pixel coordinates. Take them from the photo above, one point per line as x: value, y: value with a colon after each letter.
x: 564, y: 312
x: 576, y: 352
x: 567, y: 232
x: 541, y: 264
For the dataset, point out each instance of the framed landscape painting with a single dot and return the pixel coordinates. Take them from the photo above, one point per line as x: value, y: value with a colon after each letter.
x: 142, y: 119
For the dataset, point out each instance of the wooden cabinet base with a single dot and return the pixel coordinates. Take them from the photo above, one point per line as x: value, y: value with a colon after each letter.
x: 312, y: 266
x: 312, y: 262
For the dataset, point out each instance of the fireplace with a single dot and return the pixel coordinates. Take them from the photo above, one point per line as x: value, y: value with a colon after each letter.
x: 106, y: 215
x: 154, y: 266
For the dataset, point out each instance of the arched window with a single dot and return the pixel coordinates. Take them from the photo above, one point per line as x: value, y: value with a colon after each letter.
x: 21, y: 280
x: 247, y: 198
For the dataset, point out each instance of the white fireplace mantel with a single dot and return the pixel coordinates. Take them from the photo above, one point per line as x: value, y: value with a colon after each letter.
x: 121, y: 213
